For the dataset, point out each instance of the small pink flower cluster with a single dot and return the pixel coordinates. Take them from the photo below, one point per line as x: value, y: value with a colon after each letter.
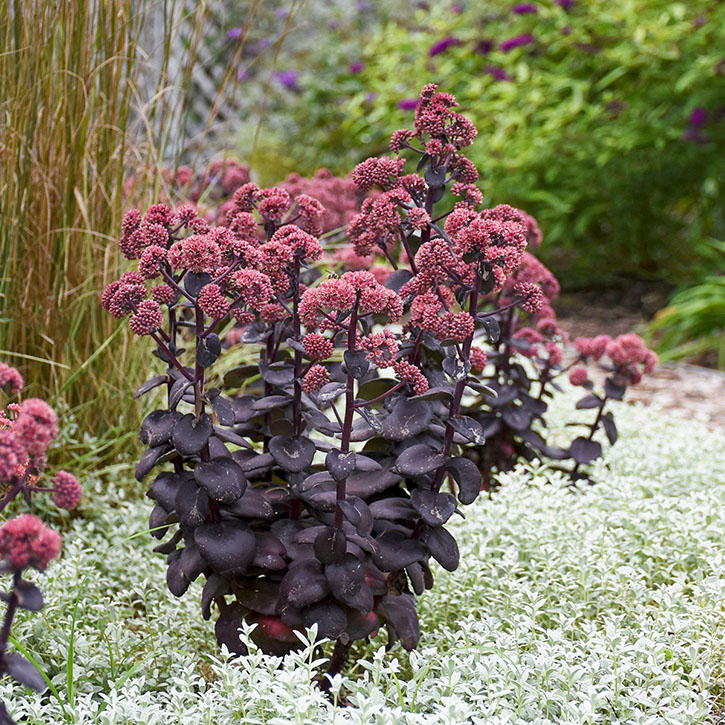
x: 382, y: 348
x: 315, y: 378
x: 628, y: 354
x: 10, y: 379
x: 317, y: 347
x: 67, y: 491
x: 337, y: 295
x: 245, y: 273
x: 25, y: 541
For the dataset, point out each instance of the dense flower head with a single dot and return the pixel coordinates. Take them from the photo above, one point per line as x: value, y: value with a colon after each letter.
x: 530, y: 339
x: 400, y: 138
x: 594, y: 347
x: 418, y: 218
x: 578, y: 375
x: 121, y: 296
x: 36, y: 426
x: 131, y: 221
x: 25, y: 541
x: 67, y: 490
x: 315, y: 378
x: 531, y: 270
x: 244, y: 226
x: 147, y: 318
x: 243, y: 317
x: 382, y: 171
x: 434, y: 111
x: 272, y: 313
x: 159, y: 214
x: 197, y: 253
x: 12, y: 455
x: 311, y: 214
x: 478, y: 358
x: 555, y: 353
x: 533, y: 298
x: 274, y: 258
x: 374, y: 298
x: 244, y: 197
x: 457, y: 326
x: 299, y: 241
x: 273, y: 203
x: 317, y: 347
x: 631, y: 357
x: 410, y: 374
x: 163, y: 294
x: 463, y: 170
x: 149, y: 266
x: 468, y: 192
x: 145, y: 235
x: 185, y: 215
x: 382, y: 348
x: 377, y: 220
x: 254, y: 287
x: 10, y: 379
x: 501, y: 243
x: 433, y: 260
x: 212, y: 302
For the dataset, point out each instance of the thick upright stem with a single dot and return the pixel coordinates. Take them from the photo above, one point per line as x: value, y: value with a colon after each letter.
x: 337, y: 662
x: 9, y: 614
x: 297, y: 381
x: 349, y: 411
x: 460, y: 388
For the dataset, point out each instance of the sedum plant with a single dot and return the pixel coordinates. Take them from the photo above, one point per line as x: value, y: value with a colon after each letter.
x: 313, y: 486
x: 26, y: 430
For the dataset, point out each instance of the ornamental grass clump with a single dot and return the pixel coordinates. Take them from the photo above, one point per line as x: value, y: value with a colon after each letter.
x: 313, y: 486
x: 27, y: 429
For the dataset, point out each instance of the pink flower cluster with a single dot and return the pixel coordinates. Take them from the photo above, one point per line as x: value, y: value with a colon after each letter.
x: 317, y: 347
x: 10, y: 379
x: 628, y: 353
x: 337, y: 295
x: 315, y: 378
x: 67, y: 490
x: 36, y: 426
x: 25, y: 541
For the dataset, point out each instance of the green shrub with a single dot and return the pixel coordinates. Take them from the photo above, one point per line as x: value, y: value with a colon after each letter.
x: 611, y: 129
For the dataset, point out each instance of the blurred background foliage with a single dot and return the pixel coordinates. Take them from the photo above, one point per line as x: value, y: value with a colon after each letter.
x: 605, y: 120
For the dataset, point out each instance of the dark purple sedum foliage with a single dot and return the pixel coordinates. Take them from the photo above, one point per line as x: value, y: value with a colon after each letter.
x: 312, y: 487
x: 27, y: 428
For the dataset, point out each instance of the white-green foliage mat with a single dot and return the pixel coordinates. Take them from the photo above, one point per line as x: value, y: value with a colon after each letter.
x: 600, y: 605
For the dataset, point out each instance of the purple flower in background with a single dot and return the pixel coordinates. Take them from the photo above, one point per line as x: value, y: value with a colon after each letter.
x: 442, y: 45
x: 264, y: 43
x: 524, y: 8
x: 356, y: 67
x: 484, y: 46
x: 698, y: 117
x: 497, y: 73
x: 699, y: 21
x: 281, y: 13
x: 516, y: 42
x: 287, y: 78
x: 565, y: 4
x: 457, y: 8
x: 243, y: 74
x: 234, y: 33
x: 408, y: 104
x: 371, y: 96
x: 694, y: 135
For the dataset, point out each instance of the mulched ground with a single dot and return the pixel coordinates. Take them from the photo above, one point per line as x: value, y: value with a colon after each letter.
x: 686, y: 389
